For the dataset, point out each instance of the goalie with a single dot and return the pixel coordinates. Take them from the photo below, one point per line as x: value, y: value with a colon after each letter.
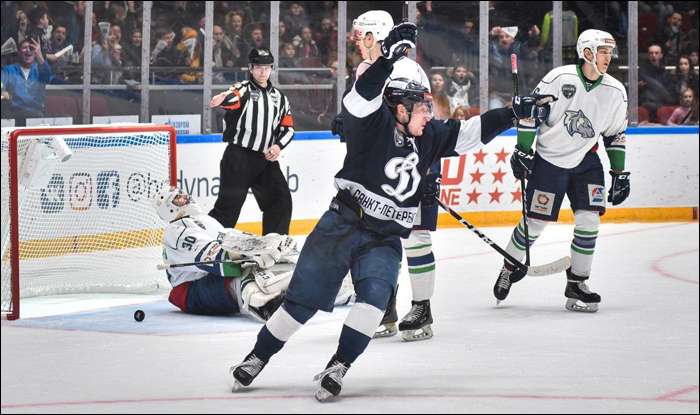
x: 239, y: 272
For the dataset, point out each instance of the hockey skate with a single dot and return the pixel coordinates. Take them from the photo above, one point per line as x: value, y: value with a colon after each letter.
x: 331, y: 379
x: 508, y: 276
x: 244, y: 373
x: 416, y: 324
x: 387, y: 327
x: 580, y: 297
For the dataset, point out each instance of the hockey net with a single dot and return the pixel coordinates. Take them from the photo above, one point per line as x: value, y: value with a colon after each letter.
x: 90, y: 228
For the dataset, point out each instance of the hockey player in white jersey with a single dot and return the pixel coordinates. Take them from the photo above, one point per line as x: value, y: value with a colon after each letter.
x: 229, y: 280
x: 591, y: 104
x: 369, y: 30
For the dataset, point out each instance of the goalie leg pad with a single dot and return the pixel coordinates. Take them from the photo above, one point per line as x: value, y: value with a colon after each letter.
x: 275, y: 279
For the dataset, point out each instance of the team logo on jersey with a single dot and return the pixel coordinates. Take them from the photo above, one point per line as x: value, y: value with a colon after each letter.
x: 596, y: 195
x: 577, y: 122
x: 398, y: 139
x: 568, y: 90
x: 404, y: 169
x: 542, y: 203
x: 255, y: 95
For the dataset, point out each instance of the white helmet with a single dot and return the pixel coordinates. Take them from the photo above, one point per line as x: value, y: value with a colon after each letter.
x: 378, y: 22
x: 593, y: 39
x: 168, y: 211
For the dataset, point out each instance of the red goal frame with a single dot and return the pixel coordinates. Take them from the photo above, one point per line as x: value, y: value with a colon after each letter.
x: 14, y: 180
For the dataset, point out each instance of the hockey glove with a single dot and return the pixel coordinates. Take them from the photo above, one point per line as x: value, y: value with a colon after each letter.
x: 399, y: 40
x: 533, y: 106
x: 431, y: 189
x: 337, y: 127
x: 522, y: 163
x: 620, y: 187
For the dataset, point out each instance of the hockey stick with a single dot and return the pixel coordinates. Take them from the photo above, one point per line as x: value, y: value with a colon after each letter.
x: 245, y: 262
x: 514, y: 70
x: 216, y: 261
x: 536, y: 271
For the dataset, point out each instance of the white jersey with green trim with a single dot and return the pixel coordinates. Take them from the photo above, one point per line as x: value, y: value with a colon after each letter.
x: 403, y: 68
x: 583, y: 113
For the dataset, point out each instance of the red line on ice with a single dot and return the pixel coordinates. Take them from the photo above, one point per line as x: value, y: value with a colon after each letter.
x: 664, y: 398
x: 657, y: 267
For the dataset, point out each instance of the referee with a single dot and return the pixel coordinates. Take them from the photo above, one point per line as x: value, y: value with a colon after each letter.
x: 258, y: 127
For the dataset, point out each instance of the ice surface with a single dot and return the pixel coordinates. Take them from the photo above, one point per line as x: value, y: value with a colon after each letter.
x: 639, y: 353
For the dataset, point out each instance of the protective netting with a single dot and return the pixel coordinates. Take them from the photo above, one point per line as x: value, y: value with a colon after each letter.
x: 92, y: 229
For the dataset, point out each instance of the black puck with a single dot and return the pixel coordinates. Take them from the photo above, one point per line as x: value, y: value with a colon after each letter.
x: 139, y: 315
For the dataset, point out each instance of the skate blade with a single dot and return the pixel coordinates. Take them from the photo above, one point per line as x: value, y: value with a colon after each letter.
x: 322, y: 395
x: 423, y: 333
x: 236, y: 386
x: 572, y: 304
x: 498, y: 302
x: 389, y: 330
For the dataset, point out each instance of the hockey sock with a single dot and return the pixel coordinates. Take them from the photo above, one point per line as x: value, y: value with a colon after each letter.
x: 286, y: 321
x: 372, y: 297
x: 516, y: 246
x: 583, y: 245
x: 421, y: 264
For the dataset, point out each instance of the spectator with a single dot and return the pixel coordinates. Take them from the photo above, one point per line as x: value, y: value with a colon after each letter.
x: 326, y: 39
x: 500, y: 49
x: 461, y: 114
x: 693, y: 61
x: 131, y: 56
x: 655, y: 84
x: 39, y: 28
x: 684, y: 77
x: 190, y: 57
x: 18, y: 30
x: 287, y: 60
x: 462, y: 81
x: 234, y: 29
x: 307, y: 52
x: 466, y: 42
x: 58, y: 65
x: 284, y: 35
x: 255, y: 38
x: 441, y: 102
x: 58, y: 42
x: 76, y: 27
x: 224, y: 57
x: 687, y: 113
x: 24, y: 83
x: 105, y: 57
x: 671, y: 37
x: 295, y: 18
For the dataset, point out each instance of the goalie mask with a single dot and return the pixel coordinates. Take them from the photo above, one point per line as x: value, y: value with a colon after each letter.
x: 172, y: 204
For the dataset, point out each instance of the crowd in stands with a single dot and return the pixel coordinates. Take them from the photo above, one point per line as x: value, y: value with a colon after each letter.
x: 308, y: 35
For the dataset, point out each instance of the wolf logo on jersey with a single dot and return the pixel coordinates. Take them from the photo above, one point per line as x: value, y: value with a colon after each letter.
x: 577, y: 122
x: 403, y: 169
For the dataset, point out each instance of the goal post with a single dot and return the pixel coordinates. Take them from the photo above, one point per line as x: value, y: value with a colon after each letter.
x: 76, y: 209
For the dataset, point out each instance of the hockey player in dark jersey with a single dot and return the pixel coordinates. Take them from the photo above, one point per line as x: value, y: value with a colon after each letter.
x: 392, y: 140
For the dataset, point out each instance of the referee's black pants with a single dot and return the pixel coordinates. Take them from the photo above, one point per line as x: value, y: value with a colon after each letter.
x: 243, y: 169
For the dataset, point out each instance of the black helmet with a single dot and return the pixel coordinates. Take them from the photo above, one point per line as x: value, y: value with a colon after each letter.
x: 261, y: 57
x: 407, y: 92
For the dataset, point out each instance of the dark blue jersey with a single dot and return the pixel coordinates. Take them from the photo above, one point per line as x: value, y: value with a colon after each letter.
x: 383, y: 168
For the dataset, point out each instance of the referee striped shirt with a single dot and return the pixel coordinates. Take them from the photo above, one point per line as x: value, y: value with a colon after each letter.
x: 257, y: 118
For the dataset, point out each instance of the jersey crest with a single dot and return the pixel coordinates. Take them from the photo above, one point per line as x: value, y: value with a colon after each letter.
x: 577, y: 122
x: 404, y: 169
x: 568, y: 90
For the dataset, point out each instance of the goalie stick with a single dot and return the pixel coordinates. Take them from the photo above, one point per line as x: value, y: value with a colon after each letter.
x: 246, y: 262
x: 533, y: 271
